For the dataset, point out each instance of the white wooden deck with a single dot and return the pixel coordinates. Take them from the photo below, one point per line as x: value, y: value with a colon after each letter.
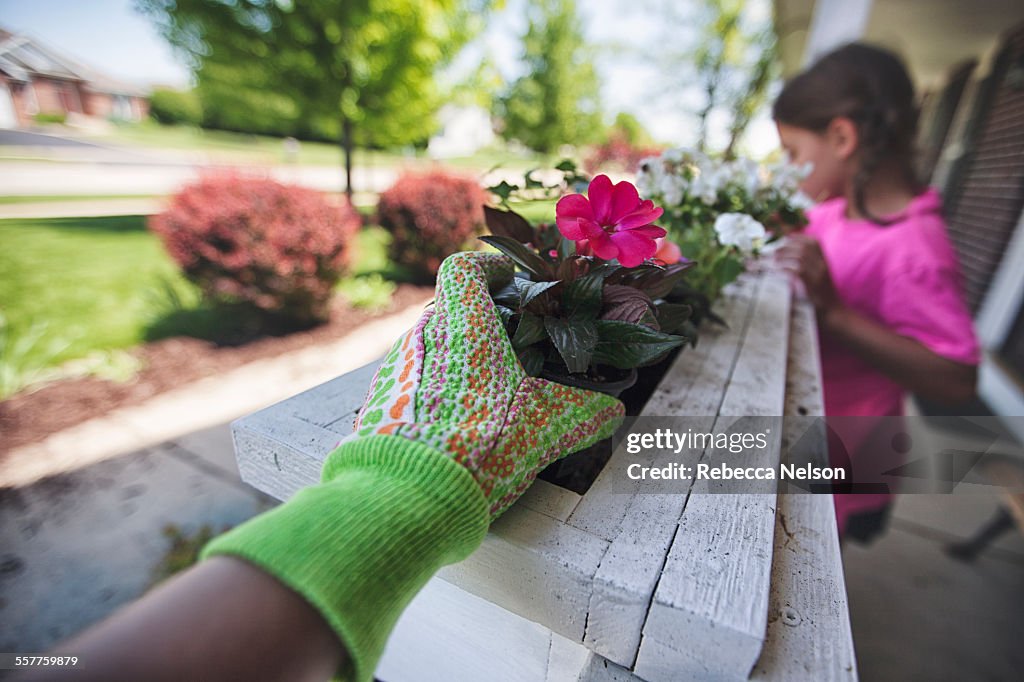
x: 618, y: 586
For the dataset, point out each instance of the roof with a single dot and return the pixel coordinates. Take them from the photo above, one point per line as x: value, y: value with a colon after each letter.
x: 23, y: 58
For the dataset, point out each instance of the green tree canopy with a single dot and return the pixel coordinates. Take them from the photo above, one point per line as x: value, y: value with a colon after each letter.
x: 557, y: 100
x: 628, y: 127
x: 365, y: 66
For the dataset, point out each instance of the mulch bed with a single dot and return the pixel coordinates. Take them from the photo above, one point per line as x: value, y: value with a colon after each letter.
x: 169, y: 363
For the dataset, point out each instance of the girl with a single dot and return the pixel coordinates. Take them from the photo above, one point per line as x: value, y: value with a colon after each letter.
x: 874, y: 258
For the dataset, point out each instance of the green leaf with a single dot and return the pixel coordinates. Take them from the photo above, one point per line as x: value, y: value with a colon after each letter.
x: 728, y: 269
x: 505, y: 313
x: 515, y: 250
x: 673, y: 316
x: 503, y: 190
x: 625, y: 345
x: 657, y: 281
x: 582, y: 297
x: 508, y: 295
x: 574, y: 340
x: 530, y: 290
x: 566, y: 166
x: 508, y: 224
x: 530, y: 331
x: 532, y: 360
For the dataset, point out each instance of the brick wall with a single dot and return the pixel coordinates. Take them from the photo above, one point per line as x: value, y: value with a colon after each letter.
x: 57, y: 96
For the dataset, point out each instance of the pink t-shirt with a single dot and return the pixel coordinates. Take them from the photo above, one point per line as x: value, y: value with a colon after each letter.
x: 905, y: 276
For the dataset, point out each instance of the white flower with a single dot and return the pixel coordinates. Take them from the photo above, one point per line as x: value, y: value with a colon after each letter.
x: 649, y: 176
x: 786, y: 177
x: 745, y: 173
x: 674, y: 155
x: 739, y: 230
x: 672, y: 189
x: 800, y: 201
x: 712, y: 179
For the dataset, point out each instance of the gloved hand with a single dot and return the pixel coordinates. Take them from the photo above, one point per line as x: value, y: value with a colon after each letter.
x: 453, y: 432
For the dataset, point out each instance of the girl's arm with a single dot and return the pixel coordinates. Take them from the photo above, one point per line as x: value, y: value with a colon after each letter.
x: 903, y: 359
x: 906, y: 361
x: 223, y: 619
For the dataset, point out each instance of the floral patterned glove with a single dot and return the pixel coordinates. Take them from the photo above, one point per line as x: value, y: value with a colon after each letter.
x: 452, y: 433
x: 454, y: 383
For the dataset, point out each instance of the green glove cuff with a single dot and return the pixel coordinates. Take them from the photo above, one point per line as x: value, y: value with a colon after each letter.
x: 360, y: 545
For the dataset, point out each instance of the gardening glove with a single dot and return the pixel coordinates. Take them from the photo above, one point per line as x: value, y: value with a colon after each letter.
x: 453, y: 431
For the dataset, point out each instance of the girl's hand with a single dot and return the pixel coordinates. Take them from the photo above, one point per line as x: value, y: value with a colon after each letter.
x: 801, y: 255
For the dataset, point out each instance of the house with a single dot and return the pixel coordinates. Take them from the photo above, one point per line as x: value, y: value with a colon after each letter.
x: 465, y: 130
x: 36, y: 80
x: 967, y: 61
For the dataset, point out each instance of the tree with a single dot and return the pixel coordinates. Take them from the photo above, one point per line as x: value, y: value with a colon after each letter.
x: 629, y: 129
x: 748, y: 100
x: 730, y: 62
x: 366, y: 66
x: 556, y: 101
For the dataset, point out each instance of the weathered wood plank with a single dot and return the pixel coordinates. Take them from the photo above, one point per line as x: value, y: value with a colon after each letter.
x: 809, y: 633
x: 711, y: 602
x: 803, y: 436
x: 282, y: 454
x: 642, y: 525
x: 550, y: 499
x: 536, y: 567
x: 693, y: 386
x: 446, y: 635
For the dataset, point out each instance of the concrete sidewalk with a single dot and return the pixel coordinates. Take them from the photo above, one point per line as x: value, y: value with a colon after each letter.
x: 78, y: 545
x: 95, y: 208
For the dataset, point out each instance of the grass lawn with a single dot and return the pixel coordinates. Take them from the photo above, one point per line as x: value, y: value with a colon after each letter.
x: 541, y: 211
x: 86, y: 279
x: 102, y: 283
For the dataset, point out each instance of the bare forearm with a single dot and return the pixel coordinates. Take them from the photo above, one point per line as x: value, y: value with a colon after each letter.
x: 903, y: 359
x: 221, y: 620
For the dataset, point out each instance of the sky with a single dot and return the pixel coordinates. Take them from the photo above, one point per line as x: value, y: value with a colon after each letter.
x: 113, y: 37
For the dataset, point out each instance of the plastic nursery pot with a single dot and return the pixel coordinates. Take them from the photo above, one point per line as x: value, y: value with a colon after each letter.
x: 613, y: 384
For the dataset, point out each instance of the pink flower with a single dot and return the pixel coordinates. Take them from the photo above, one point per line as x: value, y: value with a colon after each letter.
x: 612, y: 221
x: 668, y: 252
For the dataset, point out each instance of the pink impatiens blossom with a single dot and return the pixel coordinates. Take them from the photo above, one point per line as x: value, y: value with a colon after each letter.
x: 668, y: 252
x: 611, y: 221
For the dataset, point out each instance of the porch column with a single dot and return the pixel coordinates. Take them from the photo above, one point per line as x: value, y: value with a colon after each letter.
x: 834, y: 23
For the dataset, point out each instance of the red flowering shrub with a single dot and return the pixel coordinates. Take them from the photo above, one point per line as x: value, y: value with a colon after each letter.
x: 618, y: 153
x: 281, y: 248
x: 430, y: 215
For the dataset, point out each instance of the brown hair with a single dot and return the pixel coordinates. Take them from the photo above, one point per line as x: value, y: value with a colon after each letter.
x: 868, y: 85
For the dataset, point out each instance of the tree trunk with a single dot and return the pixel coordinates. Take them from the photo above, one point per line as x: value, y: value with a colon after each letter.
x: 346, y: 147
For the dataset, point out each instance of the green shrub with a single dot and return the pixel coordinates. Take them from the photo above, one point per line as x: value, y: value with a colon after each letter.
x: 170, y: 107
x: 50, y: 117
x: 371, y: 292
